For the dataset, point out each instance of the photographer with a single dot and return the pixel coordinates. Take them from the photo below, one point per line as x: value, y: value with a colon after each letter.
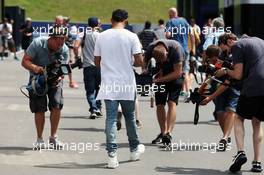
x: 42, y: 53
x: 224, y: 97
x: 248, y: 59
x: 169, y: 55
x: 27, y: 34
x: 8, y: 42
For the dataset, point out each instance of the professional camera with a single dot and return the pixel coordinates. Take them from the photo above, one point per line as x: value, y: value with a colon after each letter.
x: 143, y: 79
x: 211, y: 69
x: 146, y: 78
x: 78, y: 63
x: 57, y: 69
x: 196, y: 97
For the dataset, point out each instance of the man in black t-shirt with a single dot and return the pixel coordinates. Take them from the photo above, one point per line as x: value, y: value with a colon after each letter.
x: 248, y: 59
x: 27, y: 34
x: 146, y: 36
x: 169, y: 55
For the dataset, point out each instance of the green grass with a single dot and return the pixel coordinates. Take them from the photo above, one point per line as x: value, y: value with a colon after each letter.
x: 79, y: 10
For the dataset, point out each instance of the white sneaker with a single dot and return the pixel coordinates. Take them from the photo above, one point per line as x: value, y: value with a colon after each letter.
x: 55, y: 143
x: 39, y: 144
x: 135, y: 155
x: 112, y: 162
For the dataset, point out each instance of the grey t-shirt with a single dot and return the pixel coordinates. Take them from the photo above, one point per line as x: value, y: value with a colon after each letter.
x: 39, y: 52
x: 88, y: 48
x: 160, y: 33
x: 250, y: 52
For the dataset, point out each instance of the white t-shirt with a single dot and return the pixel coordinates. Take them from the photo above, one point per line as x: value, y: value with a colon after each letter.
x: 116, y: 48
x: 7, y: 32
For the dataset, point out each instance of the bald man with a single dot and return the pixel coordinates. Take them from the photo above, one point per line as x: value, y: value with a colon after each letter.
x: 177, y: 28
x: 169, y: 56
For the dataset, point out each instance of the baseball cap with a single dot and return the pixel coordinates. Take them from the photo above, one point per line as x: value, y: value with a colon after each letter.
x: 93, y: 22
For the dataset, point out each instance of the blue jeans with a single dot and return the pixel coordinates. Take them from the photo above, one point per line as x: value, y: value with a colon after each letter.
x: 227, y: 101
x: 92, y: 80
x: 128, y: 110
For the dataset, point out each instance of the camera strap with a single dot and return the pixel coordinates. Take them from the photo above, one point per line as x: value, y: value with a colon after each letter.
x: 196, y: 114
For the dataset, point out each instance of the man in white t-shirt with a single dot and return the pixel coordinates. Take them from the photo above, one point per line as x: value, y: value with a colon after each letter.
x: 6, y: 31
x: 117, y: 50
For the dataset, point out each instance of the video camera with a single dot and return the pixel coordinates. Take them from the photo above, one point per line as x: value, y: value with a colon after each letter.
x: 57, y: 69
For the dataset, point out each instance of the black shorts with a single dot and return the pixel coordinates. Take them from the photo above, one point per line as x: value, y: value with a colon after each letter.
x: 171, y: 93
x: 53, y: 99
x: 11, y: 44
x: 249, y: 107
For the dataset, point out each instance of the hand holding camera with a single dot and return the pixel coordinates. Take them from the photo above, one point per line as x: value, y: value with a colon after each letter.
x: 38, y: 69
x: 221, y: 72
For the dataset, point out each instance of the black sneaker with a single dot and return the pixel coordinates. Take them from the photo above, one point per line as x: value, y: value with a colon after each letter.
x: 229, y: 140
x: 158, y: 139
x: 166, y: 139
x: 139, y: 124
x: 221, y: 147
x: 256, y: 167
x: 238, y: 161
x: 98, y: 113
x: 16, y: 58
x: 93, y: 115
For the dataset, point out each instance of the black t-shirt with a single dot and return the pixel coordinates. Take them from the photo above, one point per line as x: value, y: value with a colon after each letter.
x: 250, y: 52
x: 175, y: 55
x: 27, y: 29
x: 146, y: 37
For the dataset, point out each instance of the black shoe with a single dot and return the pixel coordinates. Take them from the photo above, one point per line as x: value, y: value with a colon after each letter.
x: 93, y: 115
x: 158, y: 139
x: 256, y: 167
x: 139, y: 124
x: 221, y: 147
x: 229, y: 140
x: 16, y: 58
x: 166, y: 139
x: 238, y: 161
x: 98, y: 113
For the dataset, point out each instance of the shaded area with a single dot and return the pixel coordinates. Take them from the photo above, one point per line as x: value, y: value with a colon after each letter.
x: 74, y: 117
x: 13, y: 150
x: 191, y: 171
x: 199, y: 123
x: 126, y: 145
x: 84, y: 129
x: 74, y: 165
